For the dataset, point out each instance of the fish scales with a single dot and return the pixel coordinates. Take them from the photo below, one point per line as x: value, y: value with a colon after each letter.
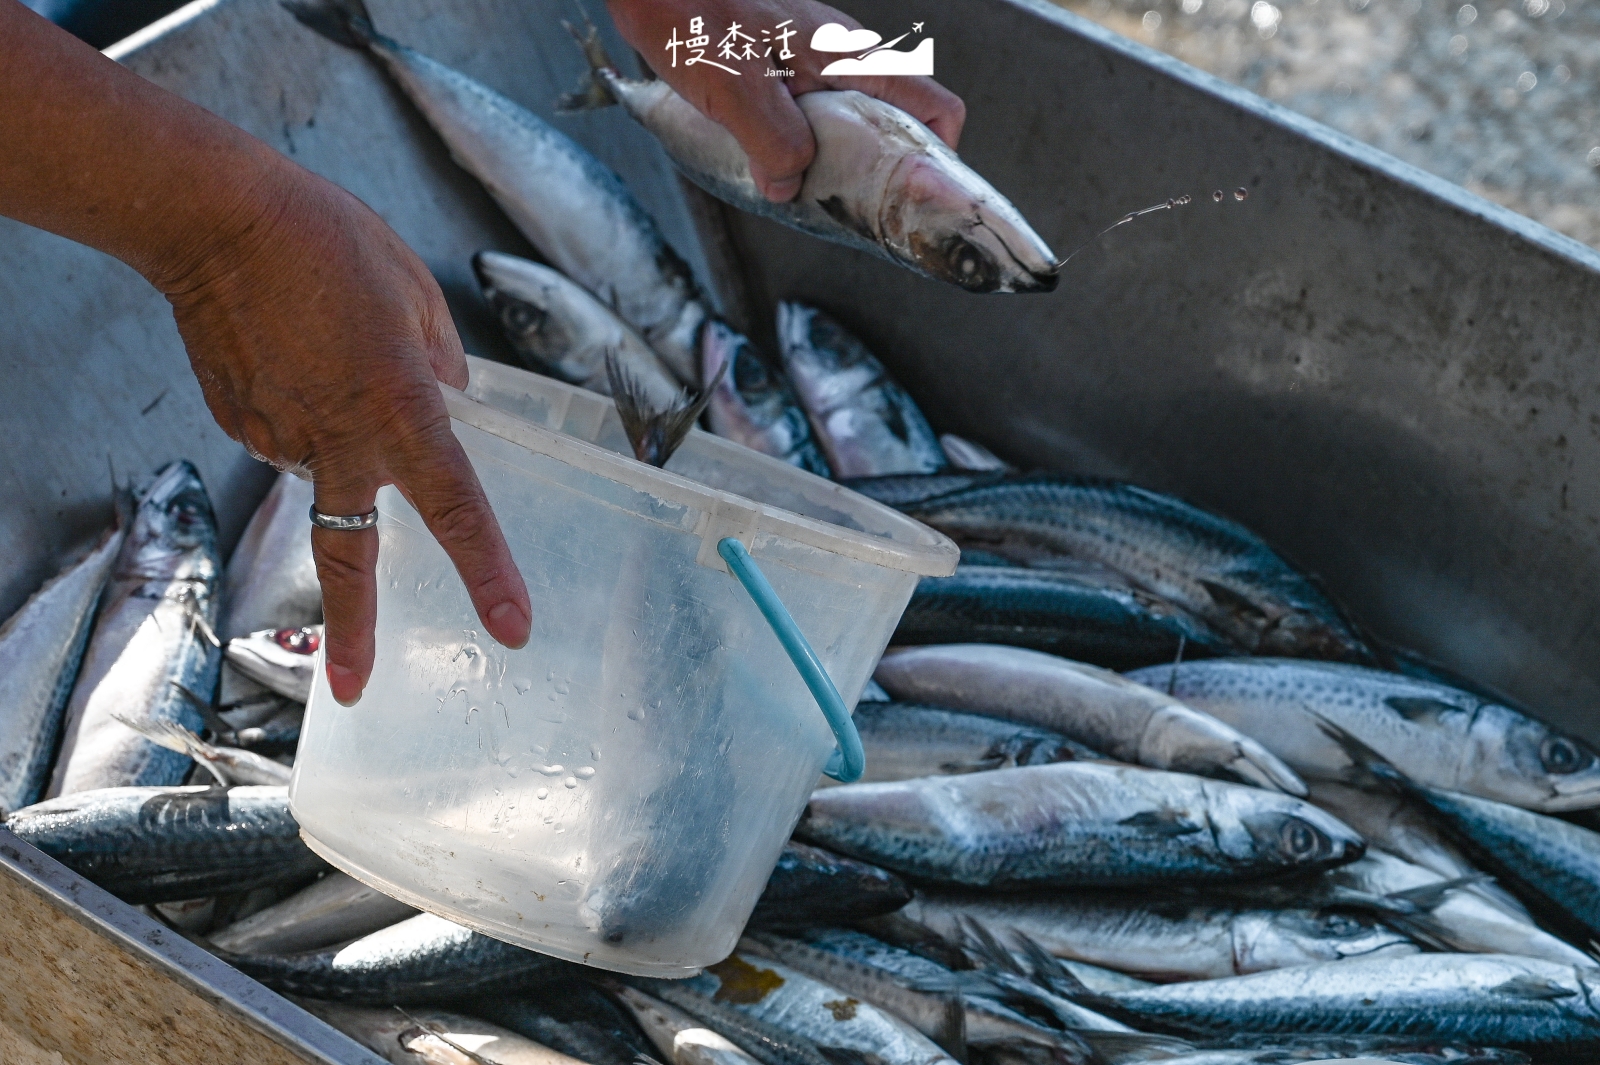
x: 811, y: 886
x: 1434, y: 735
x: 157, y: 844
x: 1214, y: 568
x: 1075, y: 824
x: 579, y: 1020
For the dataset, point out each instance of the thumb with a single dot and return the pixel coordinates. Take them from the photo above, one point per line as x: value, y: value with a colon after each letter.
x: 771, y: 129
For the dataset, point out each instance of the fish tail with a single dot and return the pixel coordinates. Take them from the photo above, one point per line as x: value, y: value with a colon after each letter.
x: 655, y: 434
x: 345, y: 22
x: 592, y: 91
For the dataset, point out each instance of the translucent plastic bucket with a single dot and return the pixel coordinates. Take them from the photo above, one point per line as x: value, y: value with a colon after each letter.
x: 618, y: 791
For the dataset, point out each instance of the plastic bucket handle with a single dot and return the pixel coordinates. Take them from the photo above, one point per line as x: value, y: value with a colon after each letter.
x: 848, y: 760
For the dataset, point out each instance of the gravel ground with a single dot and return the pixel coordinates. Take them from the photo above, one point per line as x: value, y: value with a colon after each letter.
x: 1498, y: 97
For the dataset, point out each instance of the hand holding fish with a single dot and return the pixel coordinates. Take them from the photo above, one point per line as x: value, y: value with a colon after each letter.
x: 758, y: 109
x: 318, y: 337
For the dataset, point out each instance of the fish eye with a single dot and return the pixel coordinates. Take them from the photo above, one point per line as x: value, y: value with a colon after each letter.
x: 1302, y: 841
x: 519, y: 316
x: 1338, y: 924
x: 1561, y: 755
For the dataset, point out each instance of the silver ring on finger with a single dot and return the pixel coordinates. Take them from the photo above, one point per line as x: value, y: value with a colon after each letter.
x: 343, y: 523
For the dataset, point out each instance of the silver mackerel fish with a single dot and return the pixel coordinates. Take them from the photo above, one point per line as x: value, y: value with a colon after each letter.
x: 572, y: 207
x: 881, y: 182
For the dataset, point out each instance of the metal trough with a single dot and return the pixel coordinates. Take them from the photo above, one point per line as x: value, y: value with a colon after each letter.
x: 1395, y: 381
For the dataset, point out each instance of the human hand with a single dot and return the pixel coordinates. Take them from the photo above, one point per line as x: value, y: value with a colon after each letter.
x: 319, y: 338
x: 759, y: 110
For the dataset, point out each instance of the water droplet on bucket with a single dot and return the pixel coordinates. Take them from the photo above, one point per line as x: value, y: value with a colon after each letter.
x: 542, y: 793
x: 563, y: 686
x: 594, y: 751
x: 1240, y: 193
x: 636, y: 714
x: 1217, y: 196
x: 523, y: 686
x: 586, y: 772
x: 571, y: 782
x: 552, y: 770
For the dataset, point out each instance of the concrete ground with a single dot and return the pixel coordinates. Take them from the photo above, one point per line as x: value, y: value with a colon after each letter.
x: 1498, y: 97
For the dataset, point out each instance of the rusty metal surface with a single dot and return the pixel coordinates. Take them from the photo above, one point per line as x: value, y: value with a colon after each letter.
x: 1396, y: 382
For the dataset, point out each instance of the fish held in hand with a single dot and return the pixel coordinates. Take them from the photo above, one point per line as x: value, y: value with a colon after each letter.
x: 562, y: 331
x: 1215, y: 569
x: 880, y: 182
x: 571, y: 206
x: 1096, y: 707
x: 160, y: 844
x: 1434, y: 735
x: 754, y: 404
x: 281, y: 660
x: 41, y: 650
x: 153, y: 640
x: 866, y: 423
x: 1095, y: 618
x: 1076, y: 824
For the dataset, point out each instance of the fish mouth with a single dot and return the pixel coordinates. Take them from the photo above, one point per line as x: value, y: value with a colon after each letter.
x: 1570, y: 794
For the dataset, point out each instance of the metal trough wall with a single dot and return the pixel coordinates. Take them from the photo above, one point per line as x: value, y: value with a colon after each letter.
x: 1395, y: 381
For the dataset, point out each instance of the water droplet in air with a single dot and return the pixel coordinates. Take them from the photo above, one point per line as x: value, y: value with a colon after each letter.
x: 1217, y: 196
x: 636, y: 714
x: 571, y: 782
x: 542, y: 793
x: 1240, y: 193
x: 586, y: 772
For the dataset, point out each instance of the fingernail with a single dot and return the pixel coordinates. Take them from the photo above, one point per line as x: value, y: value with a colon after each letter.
x: 345, y: 684
x: 511, y: 625
x: 783, y: 191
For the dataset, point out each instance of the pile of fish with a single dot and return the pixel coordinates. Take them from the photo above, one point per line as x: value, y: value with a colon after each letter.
x: 1137, y: 789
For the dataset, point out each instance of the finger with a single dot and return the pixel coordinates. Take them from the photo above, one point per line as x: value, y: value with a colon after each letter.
x: 922, y: 98
x: 346, y: 562
x: 433, y: 471
x: 773, y: 132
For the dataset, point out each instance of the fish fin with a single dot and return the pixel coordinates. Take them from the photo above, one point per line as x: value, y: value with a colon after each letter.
x: 1048, y: 969
x: 1160, y: 823
x: 1137, y: 1046
x: 592, y: 92
x: 1427, y: 897
x: 174, y: 737
x: 655, y: 434
x: 1373, y: 770
x: 847, y: 1056
x: 437, y: 1031
x: 1532, y: 987
x: 344, y: 22
x: 208, y: 711
x: 977, y: 765
x: 1421, y: 708
x: 1234, y: 602
x: 985, y: 949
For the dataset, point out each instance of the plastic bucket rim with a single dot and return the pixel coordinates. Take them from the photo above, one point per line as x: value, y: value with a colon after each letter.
x: 936, y: 557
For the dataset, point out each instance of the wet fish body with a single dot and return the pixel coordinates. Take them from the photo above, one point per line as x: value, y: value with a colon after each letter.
x: 865, y: 422
x: 335, y: 909
x: 159, y: 844
x: 787, y: 998
x: 1076, y: 824
x: 1107, y: 623
x: 754, y: 403
x: 966, y: 455
x: 679, y: 1038
x: 1096, y: 707
x: 810, y: 886
x: 908, y: 740
x: 1553, y: 863
x: 1165, y: 939
x: 149, y: 641
x: 1215, y: 569
x: 1485, y: 999
x: 227, y: 765
x: 904, y: 490
x: 41, y: 649
x: 1462, y: 919
x: 271, y: 579
x: 573, y: 208
x: 1435, y: 736
x: 880, y: 182
x: 579, y: 1020
x: 560, y: 329
x: 283, y: 661
x: 434, y: 1037
x: 763, y: 1040
x: 419, y: 960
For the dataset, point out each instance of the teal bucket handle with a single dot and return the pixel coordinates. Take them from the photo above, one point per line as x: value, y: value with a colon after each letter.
x: 848, y: 761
